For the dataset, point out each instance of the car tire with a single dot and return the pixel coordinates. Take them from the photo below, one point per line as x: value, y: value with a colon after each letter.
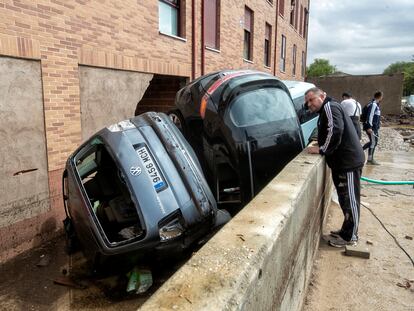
x: 178, y: 119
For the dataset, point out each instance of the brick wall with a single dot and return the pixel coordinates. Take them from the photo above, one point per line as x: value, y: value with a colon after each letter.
x: 292, y: 37
x: 230, y: 54
x: 124, y: 35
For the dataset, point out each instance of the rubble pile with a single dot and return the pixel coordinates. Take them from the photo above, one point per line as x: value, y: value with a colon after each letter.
x: 390, y: 139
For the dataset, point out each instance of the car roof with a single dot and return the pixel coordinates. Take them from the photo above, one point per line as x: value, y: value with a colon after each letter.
x: 244, y: 75
x: 297, y: 88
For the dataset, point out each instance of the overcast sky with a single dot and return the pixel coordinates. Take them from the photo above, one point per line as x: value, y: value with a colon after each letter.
x: 361, y: 36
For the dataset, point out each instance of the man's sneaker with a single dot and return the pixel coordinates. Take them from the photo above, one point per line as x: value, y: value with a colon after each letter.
x: 339, y: 242
x: 336, y: 233
x: 372, y: 162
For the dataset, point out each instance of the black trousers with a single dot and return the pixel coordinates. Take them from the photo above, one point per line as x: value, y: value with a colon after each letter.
x: 373, y: 142
x: 348, y: 187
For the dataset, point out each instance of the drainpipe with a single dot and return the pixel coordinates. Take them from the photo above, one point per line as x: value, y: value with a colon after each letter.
x: 276, y: 19
x: 307, y: 31
x: 193, y: 39
x: 202, y: 39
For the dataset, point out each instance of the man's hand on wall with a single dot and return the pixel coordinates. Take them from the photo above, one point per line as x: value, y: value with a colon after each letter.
x: 313, y: 149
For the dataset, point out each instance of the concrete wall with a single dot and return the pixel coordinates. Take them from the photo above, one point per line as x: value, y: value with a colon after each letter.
x: 262, y: 259
x: 22, y: 134
x: 109, y: 96
x: 363, y: 88
x: 24, y: 189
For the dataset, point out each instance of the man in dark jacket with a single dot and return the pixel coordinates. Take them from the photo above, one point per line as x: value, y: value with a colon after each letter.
x: 339, y: 143
x: 371, y: 126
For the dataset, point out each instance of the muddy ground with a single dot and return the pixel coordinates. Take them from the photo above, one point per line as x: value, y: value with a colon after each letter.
x: 338, y: 283
x: 386, y: 280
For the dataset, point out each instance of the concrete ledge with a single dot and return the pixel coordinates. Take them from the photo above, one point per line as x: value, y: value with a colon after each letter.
x: 262, y: 259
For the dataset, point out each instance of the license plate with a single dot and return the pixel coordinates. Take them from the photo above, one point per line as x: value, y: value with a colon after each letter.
x: 151, y: 168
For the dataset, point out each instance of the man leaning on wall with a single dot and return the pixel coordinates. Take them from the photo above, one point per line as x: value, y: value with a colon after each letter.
x: 339, y: 143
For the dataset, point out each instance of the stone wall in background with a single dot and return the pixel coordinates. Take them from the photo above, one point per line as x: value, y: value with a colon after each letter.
x: 363, y: 88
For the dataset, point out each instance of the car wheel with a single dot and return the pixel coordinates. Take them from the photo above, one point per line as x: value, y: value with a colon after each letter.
x: 177, y: 118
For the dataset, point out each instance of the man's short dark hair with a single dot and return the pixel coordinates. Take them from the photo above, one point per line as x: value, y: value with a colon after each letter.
x: 378, y: 94
x: 346, y: 94
x: 314, y: 90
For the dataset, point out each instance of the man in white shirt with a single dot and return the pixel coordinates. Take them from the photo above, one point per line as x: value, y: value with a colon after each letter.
x: 353, y: 109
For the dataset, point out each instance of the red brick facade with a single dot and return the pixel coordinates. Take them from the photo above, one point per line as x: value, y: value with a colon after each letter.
x: 63, y: 34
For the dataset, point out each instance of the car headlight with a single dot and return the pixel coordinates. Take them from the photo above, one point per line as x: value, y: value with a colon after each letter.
x: 171, y: 230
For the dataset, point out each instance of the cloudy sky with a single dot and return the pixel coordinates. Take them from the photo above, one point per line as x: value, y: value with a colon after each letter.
x: 361, y: 36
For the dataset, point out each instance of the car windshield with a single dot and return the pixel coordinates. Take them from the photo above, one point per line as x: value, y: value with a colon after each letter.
x: 261, y: 106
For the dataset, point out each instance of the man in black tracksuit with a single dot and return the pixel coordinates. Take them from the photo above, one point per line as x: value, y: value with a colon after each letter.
x: 339, y: 143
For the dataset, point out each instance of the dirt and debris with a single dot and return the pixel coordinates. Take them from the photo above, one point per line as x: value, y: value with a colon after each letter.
x: 405, y: 285
x: 357, y: 251
x: 26, y: 287
x: 347, y: 283
x: 402, y: 124
x: 69, y: 282
x: 44, y: 261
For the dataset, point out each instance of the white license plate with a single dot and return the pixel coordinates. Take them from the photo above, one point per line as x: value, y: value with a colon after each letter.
x: 151, y: 168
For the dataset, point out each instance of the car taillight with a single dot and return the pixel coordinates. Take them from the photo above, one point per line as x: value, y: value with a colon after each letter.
x: 203, y: 107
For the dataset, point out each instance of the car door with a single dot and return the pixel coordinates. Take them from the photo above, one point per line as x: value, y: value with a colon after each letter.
x: 264, y: 122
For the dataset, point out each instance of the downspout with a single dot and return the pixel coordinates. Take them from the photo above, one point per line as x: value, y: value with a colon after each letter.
x: 276, y: 20
x: 202, y: 39
x: 307, y: 31
x: 193, y: 40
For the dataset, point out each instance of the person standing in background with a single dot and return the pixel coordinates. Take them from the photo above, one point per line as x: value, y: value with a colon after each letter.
x: 353, y: 109
x: 372, y: 125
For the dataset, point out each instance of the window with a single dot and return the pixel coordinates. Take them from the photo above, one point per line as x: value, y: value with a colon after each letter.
x: 303, y: 65
x: 305, y: 23
x: 248, y: 30
x: 169, y: 17
x: 292, y: 12
x: 212, y: 23
x: 301, y: 21
x: 262, y: 106
x: 283, y: 54
x: 267, y: 44
x: 296, y: 16
x: 282, y: 7
x: 294, y: 60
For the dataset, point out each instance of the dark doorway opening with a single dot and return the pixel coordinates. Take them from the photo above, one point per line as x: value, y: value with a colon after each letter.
x: 160, y: 94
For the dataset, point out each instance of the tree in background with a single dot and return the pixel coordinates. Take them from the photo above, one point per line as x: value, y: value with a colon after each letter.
x: 407, y: 68
x: 320, y: 67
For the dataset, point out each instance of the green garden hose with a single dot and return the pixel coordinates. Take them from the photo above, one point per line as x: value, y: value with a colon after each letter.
x: 383, y: 182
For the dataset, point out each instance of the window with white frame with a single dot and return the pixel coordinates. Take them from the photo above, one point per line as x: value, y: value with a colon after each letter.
x: 169, y: 17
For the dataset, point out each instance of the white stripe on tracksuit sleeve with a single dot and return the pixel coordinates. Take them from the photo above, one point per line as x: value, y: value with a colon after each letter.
x: 371, y: 113
x: 334, y: 130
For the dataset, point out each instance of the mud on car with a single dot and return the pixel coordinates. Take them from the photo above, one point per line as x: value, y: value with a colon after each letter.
x: 136, y: 188
x: 243, y: 127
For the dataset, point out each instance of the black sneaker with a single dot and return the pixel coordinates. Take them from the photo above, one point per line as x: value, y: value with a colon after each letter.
x: 339, y: 242
x: 336, y: 234
x: 372, y: 162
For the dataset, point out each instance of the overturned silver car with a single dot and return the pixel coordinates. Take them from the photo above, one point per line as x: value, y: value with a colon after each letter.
x: 135, y: 188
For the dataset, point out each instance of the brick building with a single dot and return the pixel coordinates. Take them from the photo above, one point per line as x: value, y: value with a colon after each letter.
x: 70, y: 67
